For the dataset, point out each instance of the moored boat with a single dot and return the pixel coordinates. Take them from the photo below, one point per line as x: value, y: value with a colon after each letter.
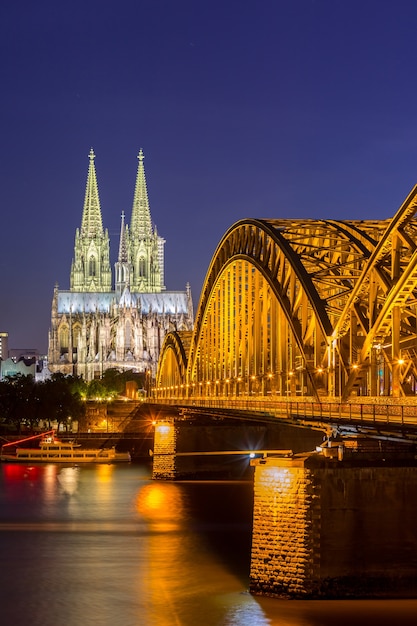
x: 51, y: 450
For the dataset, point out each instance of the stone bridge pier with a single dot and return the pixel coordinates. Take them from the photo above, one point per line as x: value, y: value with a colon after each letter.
x: 326, y: 527
x: 164, y: 463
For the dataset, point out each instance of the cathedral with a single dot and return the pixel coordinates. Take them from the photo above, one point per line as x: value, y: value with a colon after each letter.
x: 97, y: 324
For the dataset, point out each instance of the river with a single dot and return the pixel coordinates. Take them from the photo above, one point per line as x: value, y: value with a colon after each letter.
x: 105, y: 545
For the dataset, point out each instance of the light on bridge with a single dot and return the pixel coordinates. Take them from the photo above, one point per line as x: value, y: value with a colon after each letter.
x: 162, y: 428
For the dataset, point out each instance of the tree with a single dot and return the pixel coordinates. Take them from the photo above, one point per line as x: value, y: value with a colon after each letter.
x: 19, y: 401
x: 23, y: 401
x: 61, y: 399
x: 96, y: 390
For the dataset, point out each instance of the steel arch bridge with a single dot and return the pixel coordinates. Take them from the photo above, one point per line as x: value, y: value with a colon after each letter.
x: 303, y: 308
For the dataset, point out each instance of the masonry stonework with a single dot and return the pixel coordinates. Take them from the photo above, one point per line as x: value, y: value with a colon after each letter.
x: 165, y: 443
x: 329, y: 528
x: 286, y: 529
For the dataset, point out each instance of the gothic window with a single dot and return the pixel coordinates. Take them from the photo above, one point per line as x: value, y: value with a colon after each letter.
x: 127, y: 335
x: 76, y: 336
x: 64, y: 337
x: 92, y: 266
x: 142, y: 267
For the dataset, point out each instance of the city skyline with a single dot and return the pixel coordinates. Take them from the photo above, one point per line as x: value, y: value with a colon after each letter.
x: 293, y: 109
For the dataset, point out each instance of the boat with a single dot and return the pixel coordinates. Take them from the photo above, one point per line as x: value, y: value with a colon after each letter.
x: 51, y: 450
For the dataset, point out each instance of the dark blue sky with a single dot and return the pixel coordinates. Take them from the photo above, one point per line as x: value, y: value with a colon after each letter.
x: 280, y: 108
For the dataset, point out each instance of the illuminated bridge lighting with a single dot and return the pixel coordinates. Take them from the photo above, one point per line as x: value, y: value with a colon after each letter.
x: 300, y: 298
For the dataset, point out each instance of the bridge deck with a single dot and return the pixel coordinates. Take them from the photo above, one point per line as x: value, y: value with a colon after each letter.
x: 382, y: 420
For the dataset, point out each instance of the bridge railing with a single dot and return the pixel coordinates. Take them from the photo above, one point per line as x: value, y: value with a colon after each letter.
x: 369, y: 412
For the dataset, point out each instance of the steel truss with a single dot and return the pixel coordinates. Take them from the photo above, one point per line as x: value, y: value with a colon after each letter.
x: 310, y: 308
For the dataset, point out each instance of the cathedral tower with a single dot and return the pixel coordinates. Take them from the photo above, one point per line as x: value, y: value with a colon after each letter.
x: 90, y: 270
x: 145, y: 247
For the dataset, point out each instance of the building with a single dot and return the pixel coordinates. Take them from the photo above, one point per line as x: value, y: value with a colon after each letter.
x: 24, y: 367
x: 24, y: 353
x: 4, y: 345
x: 96, y: 326
x: 23, y: 361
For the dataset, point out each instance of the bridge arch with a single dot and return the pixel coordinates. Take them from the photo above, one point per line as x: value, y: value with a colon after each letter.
x: 306, y: 308
x: 172, y: 368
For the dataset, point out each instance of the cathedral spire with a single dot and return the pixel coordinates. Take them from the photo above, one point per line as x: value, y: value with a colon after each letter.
x: 145, y: 248
x: 122, y: 258
x: 90, y: 269
x: 141, y: 223
x: 122, y: 267
x: 91, y: 224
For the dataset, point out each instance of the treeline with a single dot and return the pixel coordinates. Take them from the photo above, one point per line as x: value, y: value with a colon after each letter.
x: 25, y: 403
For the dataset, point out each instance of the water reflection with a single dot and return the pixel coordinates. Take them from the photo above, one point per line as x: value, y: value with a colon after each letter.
x: 106, y: 545
x: 181, y: 569
x: 68, y: 478
x: 161, y: 505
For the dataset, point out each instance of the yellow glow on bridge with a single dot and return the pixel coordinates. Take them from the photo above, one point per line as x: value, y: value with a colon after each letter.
x: 296, y: 309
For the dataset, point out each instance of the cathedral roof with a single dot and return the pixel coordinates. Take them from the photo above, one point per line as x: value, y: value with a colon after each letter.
x: 126, y: 299
x: 169, y: 302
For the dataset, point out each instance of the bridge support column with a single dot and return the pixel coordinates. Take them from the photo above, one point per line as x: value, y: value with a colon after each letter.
x: 325, y: 527
x: 286, y: 529
x: 165, y: 442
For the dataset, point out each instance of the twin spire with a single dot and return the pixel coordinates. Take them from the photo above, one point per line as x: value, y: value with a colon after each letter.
x: 140, y: 223
x: 141, y: 251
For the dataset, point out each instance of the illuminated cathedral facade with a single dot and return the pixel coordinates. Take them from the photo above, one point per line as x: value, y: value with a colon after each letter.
x: 99, y: 324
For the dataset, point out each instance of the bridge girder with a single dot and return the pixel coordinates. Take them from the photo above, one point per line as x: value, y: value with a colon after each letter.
x: 305, y: 307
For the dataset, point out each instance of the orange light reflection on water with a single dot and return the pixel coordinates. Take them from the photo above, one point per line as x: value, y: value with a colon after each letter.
x: 180, y: 566
x: 161, y: 504
x: 104, y: 472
